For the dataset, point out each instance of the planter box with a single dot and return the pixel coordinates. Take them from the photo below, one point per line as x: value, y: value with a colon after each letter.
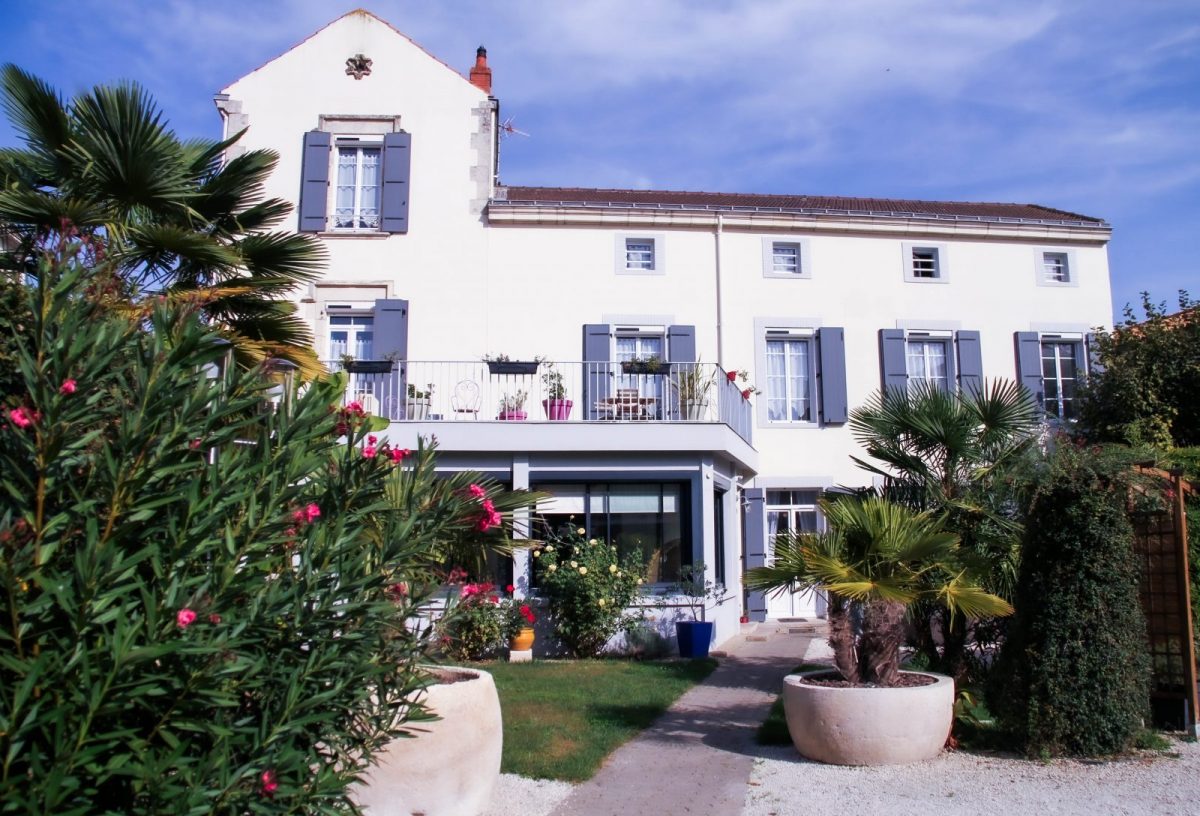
x: 868, y: 726
x: 694, y: 411
x: 511, y: 367
x: 637, y: 367
x: 416, y: 409
x: 557, y: 410
x: 370, y: 366
x: 694, y: 638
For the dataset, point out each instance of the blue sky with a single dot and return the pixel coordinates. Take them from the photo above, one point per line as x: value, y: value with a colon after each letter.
x: 1092, y: 107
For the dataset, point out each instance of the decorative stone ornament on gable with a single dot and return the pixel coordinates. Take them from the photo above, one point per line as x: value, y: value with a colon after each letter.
x: 358, y: 66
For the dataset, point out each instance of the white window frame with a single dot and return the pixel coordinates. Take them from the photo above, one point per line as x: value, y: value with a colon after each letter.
x: 940, y: 264
x: 657, y: 241
x: 359, y: 144
x: 777, y: 328
x: 1068, y: 258
x: 1078, y: 346
x: 943, y: 338
x: 803, y: 260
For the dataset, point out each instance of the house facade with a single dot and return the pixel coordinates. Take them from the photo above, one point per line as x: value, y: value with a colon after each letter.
x: 636, y: 306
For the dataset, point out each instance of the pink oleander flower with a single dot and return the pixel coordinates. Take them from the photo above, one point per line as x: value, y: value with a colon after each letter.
x: 214, y: 618
x: 372, y: 439
x: 68, y: 387
x: 369, y: 451
x: 269, y: 784
x: 21, y: 417
x: 398, y: 454
x: 488, y: 507
x: 312, y: 512
x: 476, y: 491
x: 355, y: 408
x: 194, y: 444
x: 184, y: 618
x: 299, y: 517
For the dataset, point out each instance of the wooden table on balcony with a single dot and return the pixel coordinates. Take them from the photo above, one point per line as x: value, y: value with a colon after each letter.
x: 627, y: 404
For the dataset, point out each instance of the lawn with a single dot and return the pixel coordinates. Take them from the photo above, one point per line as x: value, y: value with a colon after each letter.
x: 563, y: 717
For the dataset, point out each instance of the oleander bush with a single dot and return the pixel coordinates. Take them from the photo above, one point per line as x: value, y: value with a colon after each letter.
x: 588, y: 588
x: 1073, y: 675
x: 205, y: 592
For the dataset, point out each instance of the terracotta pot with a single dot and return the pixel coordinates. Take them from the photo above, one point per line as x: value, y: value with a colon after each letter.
x: 523, y: 641
x: 868, y: 726
x: 452, y: 765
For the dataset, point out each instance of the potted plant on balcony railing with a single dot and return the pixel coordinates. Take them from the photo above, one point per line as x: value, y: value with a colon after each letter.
x: 692, y: 383
x: 642, y: 365
x: 501, y: 364
x: 416, y: 406
x: 512, y: 407
x: 556, y: 404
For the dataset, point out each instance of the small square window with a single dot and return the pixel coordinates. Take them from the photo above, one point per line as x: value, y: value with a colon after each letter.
x: 639, y: 253
x: 925, y: 263
x: 785, y: 258
x: 1055, y: 267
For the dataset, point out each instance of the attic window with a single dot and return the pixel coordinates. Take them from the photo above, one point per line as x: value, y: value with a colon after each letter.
x: 358, y: 66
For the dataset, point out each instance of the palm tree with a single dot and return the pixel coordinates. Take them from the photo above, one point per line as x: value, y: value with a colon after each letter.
x: 954, y: 453
x: 884, y: 557
x: 172, y: 217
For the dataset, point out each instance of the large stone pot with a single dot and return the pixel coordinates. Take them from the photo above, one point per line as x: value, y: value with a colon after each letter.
x: 868, y: 726
x: 451, y: 766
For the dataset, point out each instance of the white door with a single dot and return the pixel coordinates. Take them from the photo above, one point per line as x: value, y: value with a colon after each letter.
x: 792, y: 511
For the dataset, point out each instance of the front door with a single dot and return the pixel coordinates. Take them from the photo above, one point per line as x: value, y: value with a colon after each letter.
x: 792, y: 511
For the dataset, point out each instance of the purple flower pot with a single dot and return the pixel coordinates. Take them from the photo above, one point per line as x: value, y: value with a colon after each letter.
x: 558, y: 410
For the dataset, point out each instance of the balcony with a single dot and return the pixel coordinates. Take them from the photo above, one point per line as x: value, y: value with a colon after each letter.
x: 641, y: 394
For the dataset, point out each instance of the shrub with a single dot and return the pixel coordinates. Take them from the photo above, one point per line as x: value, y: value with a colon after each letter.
x: 201, y: 588
x: 473, y: 624
x: 1073, y: 675
x: 588, y: 588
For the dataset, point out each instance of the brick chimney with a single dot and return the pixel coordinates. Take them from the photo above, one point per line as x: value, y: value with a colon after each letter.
x: 481, y: 75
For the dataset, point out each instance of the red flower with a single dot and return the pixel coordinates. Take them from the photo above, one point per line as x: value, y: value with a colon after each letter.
x: 398, y: 454
x: 311, y: 512
x: 68, y: 387
x: 509, y: 589
x: 731, y: 375
x: 21, y: 417
x: 527, y: 613
x: 214, y: 618
x: 476, y: 491
x: 184, y: 618
x: 269, y: 785
x: 746, y: 394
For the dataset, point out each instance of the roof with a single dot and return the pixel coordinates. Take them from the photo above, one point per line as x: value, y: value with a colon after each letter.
x: 679, y: 199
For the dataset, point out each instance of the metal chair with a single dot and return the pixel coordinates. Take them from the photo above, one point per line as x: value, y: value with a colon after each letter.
x: 466, y: 399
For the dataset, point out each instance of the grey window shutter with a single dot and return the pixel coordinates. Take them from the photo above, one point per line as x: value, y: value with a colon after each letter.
x: 597, y: 367
x: 970, y: 362
x: 832, y: 350
x: 314, y: 182
x: 892, y: 362
x: 681, y: 344
x: 756, y: 546
x: 397, y: 165
x: 1029, y: 363
x: 391, y: 341
x: 1094, y: 366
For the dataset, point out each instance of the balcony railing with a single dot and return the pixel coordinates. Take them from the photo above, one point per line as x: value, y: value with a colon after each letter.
x: 450, y: 391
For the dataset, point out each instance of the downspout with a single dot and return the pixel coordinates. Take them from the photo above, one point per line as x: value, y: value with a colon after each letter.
x: 717, y: 249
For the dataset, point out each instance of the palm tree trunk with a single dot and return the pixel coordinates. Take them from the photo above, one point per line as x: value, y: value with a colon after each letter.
x: 841, y: 639
x: 954, y: 646
x: 879, y: 645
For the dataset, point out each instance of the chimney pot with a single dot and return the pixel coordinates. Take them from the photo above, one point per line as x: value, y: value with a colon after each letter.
x: 481, y: 74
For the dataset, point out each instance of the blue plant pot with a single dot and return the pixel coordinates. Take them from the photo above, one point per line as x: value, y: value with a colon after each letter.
x: 693, y: 638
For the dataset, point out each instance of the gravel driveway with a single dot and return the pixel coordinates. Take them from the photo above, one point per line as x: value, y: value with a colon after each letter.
x: 956, y: 783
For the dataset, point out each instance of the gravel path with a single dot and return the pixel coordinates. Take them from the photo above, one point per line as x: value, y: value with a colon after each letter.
x: 783, y: 784
x: 521, y: 796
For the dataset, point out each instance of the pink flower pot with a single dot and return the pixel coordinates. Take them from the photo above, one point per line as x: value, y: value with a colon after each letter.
x: 557, y: 410
x: 512, y: 416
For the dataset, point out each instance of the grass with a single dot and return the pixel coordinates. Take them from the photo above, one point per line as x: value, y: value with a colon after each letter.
x: 563, y: 717
x: 774, y: 730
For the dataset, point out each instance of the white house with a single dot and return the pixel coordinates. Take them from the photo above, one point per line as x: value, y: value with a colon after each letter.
x: 391, y: 157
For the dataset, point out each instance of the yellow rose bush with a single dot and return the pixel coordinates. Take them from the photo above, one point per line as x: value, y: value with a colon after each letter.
x: 588, y: 587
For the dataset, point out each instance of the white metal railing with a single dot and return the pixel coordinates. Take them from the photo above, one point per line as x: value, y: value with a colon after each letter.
x: 448, y: 391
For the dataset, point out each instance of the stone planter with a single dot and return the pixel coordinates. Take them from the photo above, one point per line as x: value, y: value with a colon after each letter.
x: 416, y: 409
x: 452, y: 764
x: 695, y: 411
x: 868, y: 726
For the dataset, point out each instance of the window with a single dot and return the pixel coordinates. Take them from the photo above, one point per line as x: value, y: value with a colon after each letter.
x: 924, y: 263
x: 647, y: 518
x: 926, y: 361
x: 1055, y: 267
x: 785, y: 258
x: 789, y: 377
x: 358, y: 184
x: 1059, y: 377
x: 639, y: 253
x: 792, y: 511
x: 351, y: 335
